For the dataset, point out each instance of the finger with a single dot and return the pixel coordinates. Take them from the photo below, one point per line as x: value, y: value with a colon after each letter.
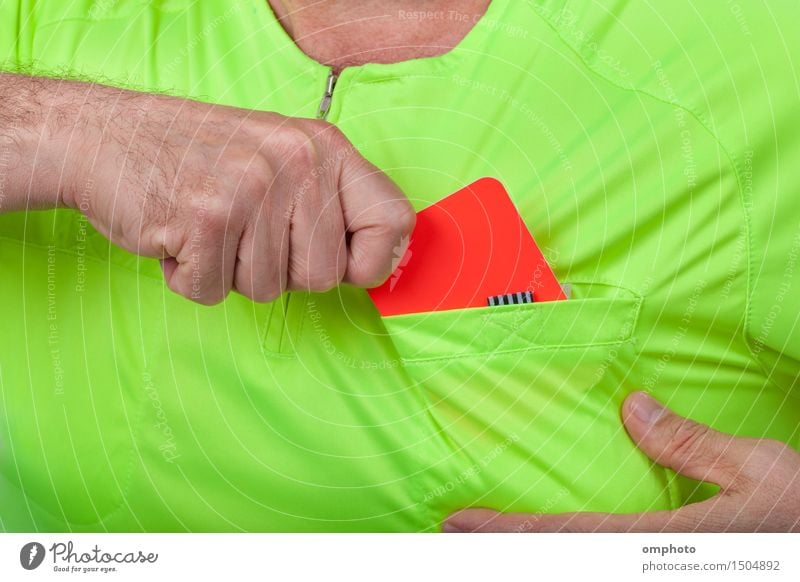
x: 261, y: 261
x: 379, y: 220
x: 202, y: 265
x: 263, y: 249
x: 319, y: 252
x: 708, y: 515
x: 168, y: 267
x: 685, y: 446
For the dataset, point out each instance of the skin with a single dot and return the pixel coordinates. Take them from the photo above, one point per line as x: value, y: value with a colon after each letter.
x: 342, y: 33
x: 760, y: 479
x: 259, y: 203
x: 229, y: 199
x: 759, y: 483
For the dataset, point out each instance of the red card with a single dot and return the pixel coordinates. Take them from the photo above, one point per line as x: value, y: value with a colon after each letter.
x: 467, y: 247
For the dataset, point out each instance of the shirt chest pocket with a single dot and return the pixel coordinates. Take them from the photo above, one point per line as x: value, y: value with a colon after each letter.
x: 529, y: 396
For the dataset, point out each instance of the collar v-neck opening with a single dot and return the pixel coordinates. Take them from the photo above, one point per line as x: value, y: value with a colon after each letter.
x: 469, y: 43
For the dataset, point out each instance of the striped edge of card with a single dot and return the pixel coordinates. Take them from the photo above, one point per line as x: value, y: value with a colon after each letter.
x: 517, y: 298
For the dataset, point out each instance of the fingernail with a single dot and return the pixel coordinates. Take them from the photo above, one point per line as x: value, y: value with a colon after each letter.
x: 646, y: 408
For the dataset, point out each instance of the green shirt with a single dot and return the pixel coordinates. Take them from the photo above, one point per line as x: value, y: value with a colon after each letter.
x: 651, y: 150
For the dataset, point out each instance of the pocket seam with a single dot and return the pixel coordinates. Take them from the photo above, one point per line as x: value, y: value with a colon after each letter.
x: 633, y: 315
x: 135, y: 453
x: 551, y: 348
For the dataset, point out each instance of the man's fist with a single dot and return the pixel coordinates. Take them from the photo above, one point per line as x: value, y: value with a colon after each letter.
x: 230, y: 199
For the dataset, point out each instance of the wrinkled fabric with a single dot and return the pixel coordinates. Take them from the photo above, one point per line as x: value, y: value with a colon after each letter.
x: 651, y: 150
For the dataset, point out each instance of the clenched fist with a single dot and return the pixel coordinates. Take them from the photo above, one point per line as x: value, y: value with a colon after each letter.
x: 228, y: 199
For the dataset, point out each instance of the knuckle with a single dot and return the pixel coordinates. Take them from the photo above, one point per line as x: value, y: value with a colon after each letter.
x: 256, y: 178
x: 320, y: 285
x: 322, y: 280
x: 160, y: 240
x: 395, y: 219
x: 337, y: 145
x: 210, y: 213
x: 207, y: 300
x: 687, y: 440
x: 320, y: 127
x: 255, y: 284
x: 207, y: 297
x: 298, y: 146
x: 403, y: 217
x: 262, y: 293
x: 369, y: 279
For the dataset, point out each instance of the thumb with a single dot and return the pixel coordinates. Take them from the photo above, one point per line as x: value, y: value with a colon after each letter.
x: 378, y: 218
x: 685, y: 446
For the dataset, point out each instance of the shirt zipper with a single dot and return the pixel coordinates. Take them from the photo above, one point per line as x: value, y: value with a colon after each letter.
x: 327, y: 97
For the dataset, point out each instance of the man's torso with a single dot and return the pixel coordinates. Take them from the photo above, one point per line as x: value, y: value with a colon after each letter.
x: 313, y: 413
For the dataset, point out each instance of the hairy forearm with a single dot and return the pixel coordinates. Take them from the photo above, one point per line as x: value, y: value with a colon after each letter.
x: 42, y: 127
x: 221, y: 194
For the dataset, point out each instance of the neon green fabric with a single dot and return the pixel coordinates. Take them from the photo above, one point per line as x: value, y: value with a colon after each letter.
x: 651, y: 150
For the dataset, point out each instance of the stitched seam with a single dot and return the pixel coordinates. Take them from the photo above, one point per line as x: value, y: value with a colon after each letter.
x: 633, y: 320
x: 746, y: 217
x: 300, y: 315
x: 412, y: 361
x: 513, y: 332
x: 135, y: 448
x: 87, y: 257
x: 510, y: 332
x: 125, y: 486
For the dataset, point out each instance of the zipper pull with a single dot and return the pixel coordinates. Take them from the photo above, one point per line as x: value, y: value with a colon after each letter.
x: 325, y: 104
